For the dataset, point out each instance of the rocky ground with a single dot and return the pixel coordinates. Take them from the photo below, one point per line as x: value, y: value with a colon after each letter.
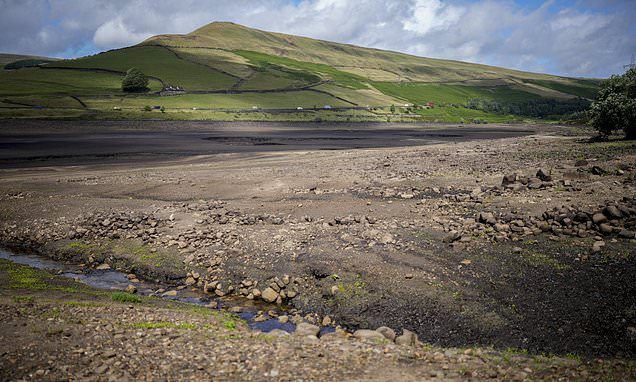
x: 56, y: 329
x: 517, y: 243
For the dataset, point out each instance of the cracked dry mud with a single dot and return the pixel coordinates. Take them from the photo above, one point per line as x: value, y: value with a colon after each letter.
x: 522, y: 243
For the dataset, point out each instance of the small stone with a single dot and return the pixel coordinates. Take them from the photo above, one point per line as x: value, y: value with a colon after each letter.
x: 452, y: 237
x: 131, y: 289
x: 283, y: 319
x: 626, y: 234
x: 101, y: 369
x: 408, y: 276
x: 502, y: 227
x: 598, y: 245
x: 278, y: 333
x: 387, y: 332
x: 261, y: 318
x: 465, y: 262
x: 170, y: 293
x: 599, y: 218
x: 326, y: 321
x: 606, y: 229
x: 597, y: 170
x: 387, y: 238
x: 103, y: 267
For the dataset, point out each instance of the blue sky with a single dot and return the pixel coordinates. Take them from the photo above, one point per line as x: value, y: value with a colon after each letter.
x: 590, y: 38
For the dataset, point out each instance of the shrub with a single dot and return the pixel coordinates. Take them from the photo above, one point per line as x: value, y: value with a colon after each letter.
x: 134, y: 81
x: 615, y: 107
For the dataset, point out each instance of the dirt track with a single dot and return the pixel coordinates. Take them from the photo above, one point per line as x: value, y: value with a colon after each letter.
x: 374, y: 236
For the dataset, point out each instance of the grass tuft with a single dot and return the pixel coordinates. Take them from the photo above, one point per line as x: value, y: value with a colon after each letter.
x: 125, y: 297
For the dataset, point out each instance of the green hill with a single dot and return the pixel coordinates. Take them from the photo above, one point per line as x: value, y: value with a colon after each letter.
x: 8, y: 58
x: 233, y: 72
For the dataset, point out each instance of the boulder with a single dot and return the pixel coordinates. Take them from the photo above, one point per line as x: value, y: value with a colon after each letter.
x: 305, y: 329
x: 487, y: 218
x: 612, y: 212
x: 509, y: 179
x: 369, y: 335
x: 544, y: 175
x: 269, y: 295
x: 407, y: 338
x: 387, y: 332
x: 452, y: 237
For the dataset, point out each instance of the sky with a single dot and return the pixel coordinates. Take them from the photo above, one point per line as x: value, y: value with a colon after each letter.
x: 578, y: 38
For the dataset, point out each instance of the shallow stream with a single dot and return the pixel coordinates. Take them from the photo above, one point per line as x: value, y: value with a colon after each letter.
x: 110, y: 279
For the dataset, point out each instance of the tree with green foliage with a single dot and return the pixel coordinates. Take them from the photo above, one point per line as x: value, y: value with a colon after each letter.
x: 615, y: 106
x: 134, y: 81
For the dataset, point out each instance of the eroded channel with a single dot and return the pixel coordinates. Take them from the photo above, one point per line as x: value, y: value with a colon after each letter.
x: 259, y: 316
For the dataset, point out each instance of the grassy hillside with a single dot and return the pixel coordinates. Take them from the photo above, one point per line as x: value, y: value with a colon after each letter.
x: 225, y: 66
x: 7, y: 58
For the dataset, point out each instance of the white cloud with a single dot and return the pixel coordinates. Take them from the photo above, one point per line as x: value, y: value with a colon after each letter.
x: 592, y: 39
x: 430, y: 15
x: 116, y: 33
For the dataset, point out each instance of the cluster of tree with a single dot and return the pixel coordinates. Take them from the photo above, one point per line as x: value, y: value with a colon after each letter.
x: 28, y: 63
x: 134, y: 81
x: 536, y: 108
x: 615, y: 107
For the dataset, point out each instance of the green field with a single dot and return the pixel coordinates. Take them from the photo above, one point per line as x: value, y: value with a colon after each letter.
x: 581, y: 88
x: 157, y: 62
x: 342, y: 78
x: 228, y: 66
x: 36, y: 81
x: 451, y: 94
